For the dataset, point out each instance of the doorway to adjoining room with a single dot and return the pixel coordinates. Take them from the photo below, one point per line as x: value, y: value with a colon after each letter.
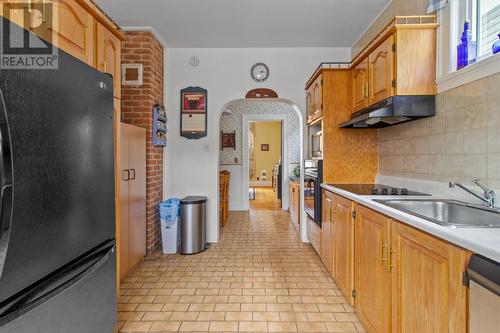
x: 265, y: 171
x: 236, y: 181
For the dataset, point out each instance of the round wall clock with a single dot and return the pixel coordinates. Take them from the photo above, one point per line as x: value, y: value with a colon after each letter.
x: 259, y: 72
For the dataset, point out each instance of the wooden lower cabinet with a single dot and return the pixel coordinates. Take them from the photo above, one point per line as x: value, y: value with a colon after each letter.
x: 132, y: 198
x: 407, y: 280
x: 343, y: 246
x: 337, y: 241
x: 373, y: 279
x: 427, y: 290
x: 294, y: 207
x: 327, y: 232
x: 403, y: 279
x: 314, y: 235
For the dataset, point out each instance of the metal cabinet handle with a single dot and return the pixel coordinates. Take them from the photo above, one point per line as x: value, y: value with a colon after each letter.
x: 383, y: 252
x: 128, y: 175
x: 390, y: 265
x: 132, y: 177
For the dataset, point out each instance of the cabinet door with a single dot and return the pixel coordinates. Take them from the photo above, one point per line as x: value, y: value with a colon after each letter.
x: 16, y: 12
x: 314, y: 235
x: 327, y: 231
x: 137, y: 195
x: 72, y: 30
x: 310, y: 105
x: 360, y: 86
x: 344, y: 245
x: 124, y: 175
x: 318, y: 97
x: 108, y: 56
x: 373, y: 279
x: 427, y: 290
x: 381, y: 71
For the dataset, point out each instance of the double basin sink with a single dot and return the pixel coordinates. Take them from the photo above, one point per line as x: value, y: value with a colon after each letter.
x: 449, y: 213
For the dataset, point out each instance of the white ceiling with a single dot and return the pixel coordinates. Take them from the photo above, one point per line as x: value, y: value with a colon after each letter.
x: 248, y: 23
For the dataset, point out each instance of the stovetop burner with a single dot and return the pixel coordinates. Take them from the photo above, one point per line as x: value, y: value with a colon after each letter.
x: 375, y: 189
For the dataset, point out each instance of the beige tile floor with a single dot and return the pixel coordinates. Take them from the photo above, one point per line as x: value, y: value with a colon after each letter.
x: 258, y: 278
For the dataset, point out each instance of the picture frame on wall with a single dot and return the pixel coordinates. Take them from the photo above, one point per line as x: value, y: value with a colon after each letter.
x: 264, y: 147
x: 228, y: 140
x: 193, y: 112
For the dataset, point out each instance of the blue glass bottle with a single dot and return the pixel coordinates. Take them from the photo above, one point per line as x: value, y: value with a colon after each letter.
x: 466, y: 51
x: 496, y: 45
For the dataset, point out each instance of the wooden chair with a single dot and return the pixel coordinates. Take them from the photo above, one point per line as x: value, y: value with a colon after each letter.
x: 224, y: 177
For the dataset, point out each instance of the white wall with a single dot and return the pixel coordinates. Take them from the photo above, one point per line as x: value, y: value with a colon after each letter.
x: 191, y: 166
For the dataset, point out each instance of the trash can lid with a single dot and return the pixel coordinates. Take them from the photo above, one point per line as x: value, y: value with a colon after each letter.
x: 193, y: 200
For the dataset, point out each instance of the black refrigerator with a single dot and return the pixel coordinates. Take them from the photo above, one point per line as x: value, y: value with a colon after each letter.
x: 57, y: 205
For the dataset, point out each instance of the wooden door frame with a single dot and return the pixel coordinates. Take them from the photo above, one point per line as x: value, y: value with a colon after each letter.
x: 247, y: 119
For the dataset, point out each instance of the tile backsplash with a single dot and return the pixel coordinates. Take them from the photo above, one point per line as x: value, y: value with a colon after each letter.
x: 460, y: 143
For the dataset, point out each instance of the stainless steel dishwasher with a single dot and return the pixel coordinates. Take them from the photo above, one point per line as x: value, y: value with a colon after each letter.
x: 484, y: 298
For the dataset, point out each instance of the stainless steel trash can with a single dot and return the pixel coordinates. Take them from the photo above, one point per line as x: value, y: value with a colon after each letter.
x: 193, y: 229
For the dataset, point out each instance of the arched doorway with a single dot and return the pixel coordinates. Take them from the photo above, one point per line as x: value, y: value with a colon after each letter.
x: 235, y: 118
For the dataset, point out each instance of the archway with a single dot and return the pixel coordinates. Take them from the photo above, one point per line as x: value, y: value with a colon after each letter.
x: 242, y: 111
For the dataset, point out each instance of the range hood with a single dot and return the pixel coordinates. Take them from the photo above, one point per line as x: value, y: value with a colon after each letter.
x: 391, y: 111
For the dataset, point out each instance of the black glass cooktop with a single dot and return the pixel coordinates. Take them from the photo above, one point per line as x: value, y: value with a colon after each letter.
x: 375, y: 189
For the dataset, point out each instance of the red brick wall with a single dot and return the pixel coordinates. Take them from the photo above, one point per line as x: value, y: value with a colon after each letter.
x: 136, y: 109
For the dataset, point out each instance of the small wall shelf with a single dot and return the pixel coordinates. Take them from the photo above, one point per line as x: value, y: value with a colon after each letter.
x: 159, y: 126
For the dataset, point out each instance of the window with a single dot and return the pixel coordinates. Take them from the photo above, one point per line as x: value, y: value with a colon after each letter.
x: 485, y: 18
x: 487, y: 25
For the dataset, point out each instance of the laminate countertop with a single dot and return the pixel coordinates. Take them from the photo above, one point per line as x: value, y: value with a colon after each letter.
x: 483, y: 241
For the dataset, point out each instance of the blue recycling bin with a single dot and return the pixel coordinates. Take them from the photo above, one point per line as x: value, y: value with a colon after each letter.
x: 170, y: 210
x: 170, y: 229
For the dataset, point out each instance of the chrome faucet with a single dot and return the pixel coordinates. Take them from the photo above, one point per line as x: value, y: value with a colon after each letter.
x: 489, y: 197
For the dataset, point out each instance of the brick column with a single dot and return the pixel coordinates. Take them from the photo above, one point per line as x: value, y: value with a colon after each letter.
x: 136, y: 109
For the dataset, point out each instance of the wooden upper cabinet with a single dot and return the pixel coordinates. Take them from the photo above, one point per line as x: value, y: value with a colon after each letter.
x: 318, y: 97
x: 381, y: 72
x: 14, y: 14
x: 427, y: 290
x: 73, y: 27
x: 314, y: 99
x: 416, y: 62
x: 327, y: 225
x: 67, y: 25
x: 360, y: 86
x: 373, y: 278
x: 400, y: 61
x: 343, y: 243
x: 310, y: 105
x: 108, y: 56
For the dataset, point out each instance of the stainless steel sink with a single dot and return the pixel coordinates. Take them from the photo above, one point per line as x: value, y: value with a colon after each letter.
x: 448, y: 212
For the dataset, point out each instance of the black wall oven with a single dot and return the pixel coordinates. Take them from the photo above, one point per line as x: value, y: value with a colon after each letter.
x: 313, y: 177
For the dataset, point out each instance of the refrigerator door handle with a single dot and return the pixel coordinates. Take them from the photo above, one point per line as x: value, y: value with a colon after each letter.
x: 55, y: 283
x: 6, y: 192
